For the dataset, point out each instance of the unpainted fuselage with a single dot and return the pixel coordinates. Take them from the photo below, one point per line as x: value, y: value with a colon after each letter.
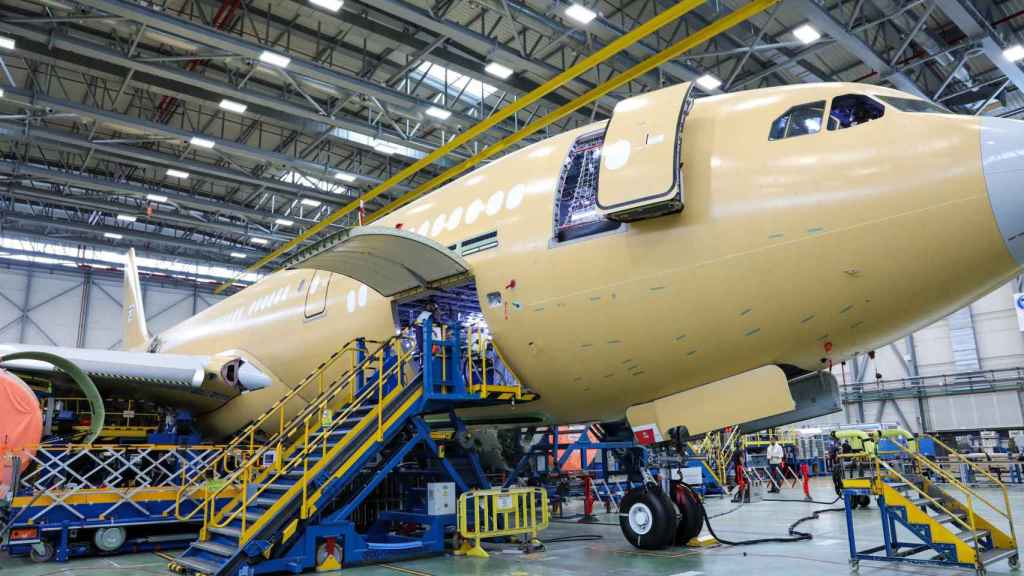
x: 797, y: 252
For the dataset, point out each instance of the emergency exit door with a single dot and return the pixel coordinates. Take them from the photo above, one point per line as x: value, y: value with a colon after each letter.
x: 316, y: 293
x: 640, y: 173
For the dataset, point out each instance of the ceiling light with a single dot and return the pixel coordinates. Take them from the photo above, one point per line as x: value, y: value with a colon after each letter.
x: 6, y: 43
x: 332, y: 5
x: 175, y: 174
x: 806, y: 33
x: 237, y: 255
x: 439, y: 113
x: 310, y: 202
x: 498, y: 70
x: 708, y: 82
x: 275, y: 59
x: 283, y: 222
x: 156, y: 198
x: 232, y: 106
x: 112, y: 236
x: 1014, y: 53
x: 260, y: 241
x: 386, y: 148
x: 580, y: 13
x: 126, y: 218
x: 345, y: 176
x: 202, y: 142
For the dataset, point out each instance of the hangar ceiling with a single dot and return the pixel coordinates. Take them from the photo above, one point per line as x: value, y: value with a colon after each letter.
x: 174, y: 128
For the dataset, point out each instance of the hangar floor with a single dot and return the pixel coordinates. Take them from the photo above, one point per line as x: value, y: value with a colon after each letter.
x: 826, y: 554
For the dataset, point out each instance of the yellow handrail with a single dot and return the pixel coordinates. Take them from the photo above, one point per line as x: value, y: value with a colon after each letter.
x: 878, y: 464
x: 249, y: 432
x: 1006, y: 496
x: 309, y: 441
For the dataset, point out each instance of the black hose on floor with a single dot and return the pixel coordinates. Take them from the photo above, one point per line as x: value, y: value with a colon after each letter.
x: 794, y: 534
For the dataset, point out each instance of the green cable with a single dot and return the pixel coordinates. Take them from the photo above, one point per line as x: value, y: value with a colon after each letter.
x: 80, y: 378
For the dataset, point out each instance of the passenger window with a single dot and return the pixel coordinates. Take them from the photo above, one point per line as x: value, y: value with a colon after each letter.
x: 852, y: 110
x: 798, y: 121
x: 576, y: 213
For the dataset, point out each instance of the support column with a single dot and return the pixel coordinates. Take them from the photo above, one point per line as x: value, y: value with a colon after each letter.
x: 83, y: 309
x: 24, y: 308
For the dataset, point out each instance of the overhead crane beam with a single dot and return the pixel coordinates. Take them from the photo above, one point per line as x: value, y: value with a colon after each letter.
x: 592, y: 95
x: 695, y: 39
x: 691, y: 41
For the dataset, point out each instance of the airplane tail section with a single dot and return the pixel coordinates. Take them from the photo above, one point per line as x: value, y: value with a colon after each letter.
x: 136, y: 335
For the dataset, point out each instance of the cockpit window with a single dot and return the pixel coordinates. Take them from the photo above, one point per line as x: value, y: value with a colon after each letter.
x: 851, y: 110
x: 798, y: 121
x: 913, y: 105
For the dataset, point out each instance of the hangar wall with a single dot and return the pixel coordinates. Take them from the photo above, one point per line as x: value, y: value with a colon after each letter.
x: 981, y: 345
x: 58, y: 307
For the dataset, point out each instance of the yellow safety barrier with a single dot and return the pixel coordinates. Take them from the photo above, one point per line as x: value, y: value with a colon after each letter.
x: 500, y: 512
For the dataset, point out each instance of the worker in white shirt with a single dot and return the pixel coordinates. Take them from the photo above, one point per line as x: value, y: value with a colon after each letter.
x: 775, y: 456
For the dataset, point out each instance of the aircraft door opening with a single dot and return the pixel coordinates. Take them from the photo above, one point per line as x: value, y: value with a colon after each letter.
x: 316, y: 293
x: 641, y: 173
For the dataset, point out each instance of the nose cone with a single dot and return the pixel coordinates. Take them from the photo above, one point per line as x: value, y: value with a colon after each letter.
x: 1002, y: 157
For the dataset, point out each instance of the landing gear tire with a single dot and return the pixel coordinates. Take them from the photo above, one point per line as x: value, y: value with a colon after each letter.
x: 863, y: 501
x: 690, y: 517
x: 648, y: 518
x: 1014, y: 562
x: 42, y: 551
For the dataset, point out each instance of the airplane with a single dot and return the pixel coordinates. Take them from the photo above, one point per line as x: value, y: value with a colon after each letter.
x: 687, y: 265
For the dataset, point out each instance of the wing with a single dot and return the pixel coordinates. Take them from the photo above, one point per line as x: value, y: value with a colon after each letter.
x: 199, y: 382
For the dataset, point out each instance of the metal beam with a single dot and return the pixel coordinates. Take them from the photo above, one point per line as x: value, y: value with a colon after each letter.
x: 974, y: 29
x: 18, y: 234
x: 223, y: 145
x: 588, y: 98
x: 30, y: 172
x: 827, y: 24
x: 251, y: 50
x: 163, y: 78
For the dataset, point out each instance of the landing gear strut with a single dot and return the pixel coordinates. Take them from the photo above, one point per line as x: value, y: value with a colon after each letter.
x: 648, y: 518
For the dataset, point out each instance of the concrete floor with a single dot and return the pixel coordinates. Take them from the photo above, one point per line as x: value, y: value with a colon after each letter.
x: 827, y: 553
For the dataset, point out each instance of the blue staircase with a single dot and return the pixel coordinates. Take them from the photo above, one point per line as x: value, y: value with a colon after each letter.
x: 289, y: 507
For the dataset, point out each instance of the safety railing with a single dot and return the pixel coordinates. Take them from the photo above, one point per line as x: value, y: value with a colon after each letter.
x: 486, y: 370
x: 500, y: 512
x: 346, y: 360
x: 62, y: 476
x: 882, y: 469
x: 766, y: 438
x: 1006, y: 512
x: 310, y: 433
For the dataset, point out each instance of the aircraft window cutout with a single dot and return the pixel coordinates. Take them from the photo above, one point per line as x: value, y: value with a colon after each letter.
x: 851, y: 110
x: 798, y: 121
x: 576, y: 214
x: 913, y: 105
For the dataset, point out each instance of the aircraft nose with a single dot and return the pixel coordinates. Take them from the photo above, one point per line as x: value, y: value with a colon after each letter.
x: 1002, y: 157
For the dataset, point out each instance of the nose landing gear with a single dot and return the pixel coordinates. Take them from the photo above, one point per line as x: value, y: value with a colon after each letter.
x: 648, y: 518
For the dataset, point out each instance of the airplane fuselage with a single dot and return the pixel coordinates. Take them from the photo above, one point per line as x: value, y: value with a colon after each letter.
x: 794, y: 252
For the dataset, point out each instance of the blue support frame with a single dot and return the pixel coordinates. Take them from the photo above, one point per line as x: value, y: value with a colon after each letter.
x: 892, y: 548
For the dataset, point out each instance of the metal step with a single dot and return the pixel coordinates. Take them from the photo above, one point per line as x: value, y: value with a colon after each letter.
x: 995, y: 555
x: 265, y: 502
x: 944, y: 518
x: 216, y: 548
x: 227, y: 531
x: 254, y: 515
x: 968, y: 535
x: 198, y: 565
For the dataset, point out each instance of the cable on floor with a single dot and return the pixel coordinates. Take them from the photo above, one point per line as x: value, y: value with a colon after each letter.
x: 794, y: 534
